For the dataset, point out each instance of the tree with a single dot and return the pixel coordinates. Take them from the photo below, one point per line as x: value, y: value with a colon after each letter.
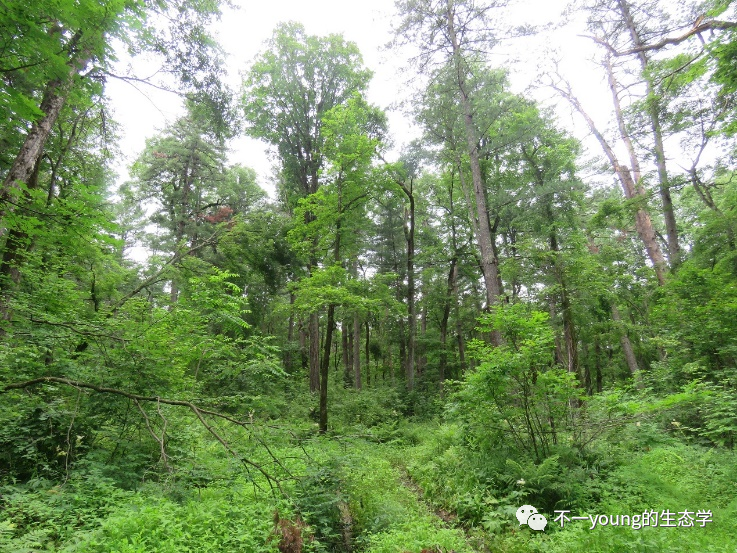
x: 634, y: 37
x: 183, y: 172
x: 352, y: 134
x: 455, y: 30
x: 50, y: 50
x: 57, y: 53
x: 286, y: 92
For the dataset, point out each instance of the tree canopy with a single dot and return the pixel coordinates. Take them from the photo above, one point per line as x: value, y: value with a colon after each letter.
x: 408, y: 347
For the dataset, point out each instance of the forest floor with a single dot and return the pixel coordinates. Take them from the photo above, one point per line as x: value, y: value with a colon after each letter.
x: 400, y: 489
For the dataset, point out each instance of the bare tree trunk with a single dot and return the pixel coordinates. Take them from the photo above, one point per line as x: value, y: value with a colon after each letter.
x: 597, y: 366
x: 403, y: 362
x: 24, y: 171
x: 357, y: 351
x: 54, y: 97
x: 629, y: 353
x: 409, y: 234
x: 324, y: 370
x: 368, y: 353
x: 489, y: 262
x: 347, y: 366
x: 653, y: 103
x: 632, y: 182
x: 314, y: 332
x: 628, y: 178
x: 303, y: 346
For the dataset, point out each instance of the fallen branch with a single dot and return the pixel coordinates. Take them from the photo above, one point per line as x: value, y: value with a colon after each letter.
x: 198, y: 411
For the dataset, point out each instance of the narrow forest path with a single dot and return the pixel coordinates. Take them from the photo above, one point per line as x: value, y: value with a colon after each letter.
x: 447, y: 518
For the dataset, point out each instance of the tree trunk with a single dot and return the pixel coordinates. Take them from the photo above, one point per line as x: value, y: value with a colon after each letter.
x: 367, y: 347
x: 597, y: 366
x: 30, y: 153
x: 357, y: 351
x: 324, y: 369
x: 632, y: 184
x: 489, y: 262
x: 347, y: 366
x: 314, y: 332
x: 403, y: 347
x: 629, y: 353
x: 653, y: 103
x: 628, y: 178
x: 303, y: 346
x: 409, y: 234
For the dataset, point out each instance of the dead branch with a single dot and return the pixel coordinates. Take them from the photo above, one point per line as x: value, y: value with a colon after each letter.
x: 178, y: 256
x: 160, y: 441
x: 198, y: 411
x: 713, y: 25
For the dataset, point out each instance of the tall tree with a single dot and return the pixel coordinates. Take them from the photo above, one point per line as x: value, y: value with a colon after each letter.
x: 352, y: 134
x: 286, y: 92
x: 456, y: 31
x: 182, y: 170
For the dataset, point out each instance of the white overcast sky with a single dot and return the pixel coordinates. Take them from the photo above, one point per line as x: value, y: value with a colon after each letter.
x: 242, y: 32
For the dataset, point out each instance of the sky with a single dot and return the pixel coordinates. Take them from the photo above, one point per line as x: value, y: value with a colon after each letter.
x: 142, y: 111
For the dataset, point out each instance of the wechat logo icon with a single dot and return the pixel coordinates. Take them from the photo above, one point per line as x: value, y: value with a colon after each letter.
x: 527, y: 514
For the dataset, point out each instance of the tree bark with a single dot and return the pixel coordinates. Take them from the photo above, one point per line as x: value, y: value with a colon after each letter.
x: 629, y: 353
x: 357, y: 352
x: 314, y: 332
x: 409, y: 235
x: 31, y: 151
x: 347, y: 365
x: 632, y: 182
x: 324, y: 370
x: 653, y: 103
x: 367, y: 347
x: 629, y: 178
x: 489, y: 262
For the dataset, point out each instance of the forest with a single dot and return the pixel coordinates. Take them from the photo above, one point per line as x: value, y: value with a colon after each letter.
x: 501, y: 336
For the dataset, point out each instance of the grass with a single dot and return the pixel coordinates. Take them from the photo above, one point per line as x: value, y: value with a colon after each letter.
x: 213, y: 506
x: 666, y: 475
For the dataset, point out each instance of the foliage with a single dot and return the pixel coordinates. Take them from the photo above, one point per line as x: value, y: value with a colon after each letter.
x: 516, y: 399
x: 482, y: 312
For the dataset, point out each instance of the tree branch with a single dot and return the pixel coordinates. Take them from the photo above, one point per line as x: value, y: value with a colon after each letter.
x: 153, y: 278
x: 198, y: 411
x: 712, y: 25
